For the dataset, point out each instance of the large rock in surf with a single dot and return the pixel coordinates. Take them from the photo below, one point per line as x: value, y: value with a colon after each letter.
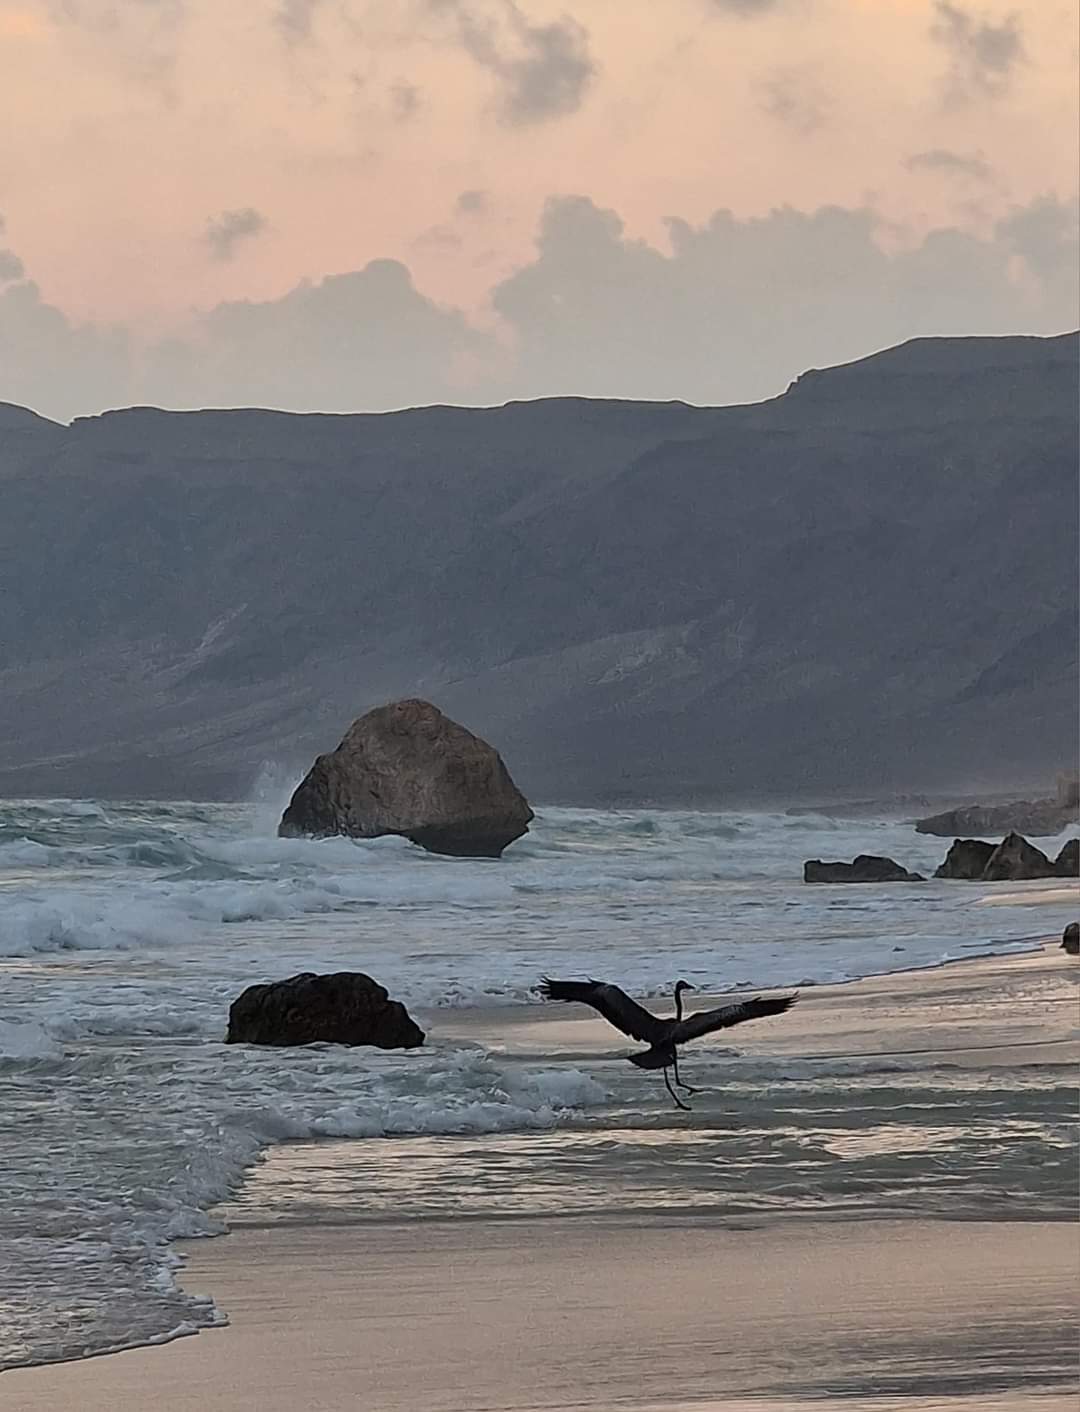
x: 865, y: 869
x: 966, y: 859
x: 1067, y: 863
x: 1016, y: 860
x: 346, y: 1007
x: 407, y: 769
x: 1070, y: 939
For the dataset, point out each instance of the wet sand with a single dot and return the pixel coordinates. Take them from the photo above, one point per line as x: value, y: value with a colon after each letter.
x: 645, y: 1312
x: 568, y: 1313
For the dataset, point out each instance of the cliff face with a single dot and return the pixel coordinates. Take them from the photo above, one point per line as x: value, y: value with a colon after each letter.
x: 867, y: 584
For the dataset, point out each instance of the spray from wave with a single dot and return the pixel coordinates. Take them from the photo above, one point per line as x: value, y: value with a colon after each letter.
x: 271, y: 790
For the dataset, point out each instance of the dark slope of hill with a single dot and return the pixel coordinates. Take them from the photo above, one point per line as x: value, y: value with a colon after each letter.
x: 867, y: 584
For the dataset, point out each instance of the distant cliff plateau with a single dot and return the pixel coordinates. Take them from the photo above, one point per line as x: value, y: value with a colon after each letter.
x: 866, y: 586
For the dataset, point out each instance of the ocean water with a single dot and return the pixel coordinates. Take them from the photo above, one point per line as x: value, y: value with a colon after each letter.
x: 126, y: 929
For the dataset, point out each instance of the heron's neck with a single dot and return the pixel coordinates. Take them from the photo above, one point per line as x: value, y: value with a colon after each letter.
x: 678, y: 1002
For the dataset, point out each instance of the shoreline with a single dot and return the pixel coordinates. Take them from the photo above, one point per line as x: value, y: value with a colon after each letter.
x: 925, y: 1003
x: 504, y: 1025
x: 570, y: 1315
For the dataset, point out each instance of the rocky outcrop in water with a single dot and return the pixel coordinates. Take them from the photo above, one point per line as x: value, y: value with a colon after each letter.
x: 1016, y: 860
x: 966, y: 860
x: 1070, y: 939
x: 1067, y: 863
x: 865, y: 869
x: 407, y: 769
x: 346, y: 1007
x: 1039, y: 817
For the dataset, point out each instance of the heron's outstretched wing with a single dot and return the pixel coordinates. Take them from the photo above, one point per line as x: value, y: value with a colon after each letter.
x: 706, y: 1021
x: 614, y: 1004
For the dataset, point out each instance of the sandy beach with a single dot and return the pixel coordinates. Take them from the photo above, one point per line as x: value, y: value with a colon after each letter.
x: 638, y: 1310
x: 561, y: 1314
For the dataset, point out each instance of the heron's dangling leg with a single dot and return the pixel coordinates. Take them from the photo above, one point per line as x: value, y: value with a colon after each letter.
x: 679, y: 1081
x: 678, y: 1101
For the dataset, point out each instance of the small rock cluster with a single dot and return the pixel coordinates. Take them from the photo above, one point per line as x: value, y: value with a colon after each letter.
x: 1014, y: 859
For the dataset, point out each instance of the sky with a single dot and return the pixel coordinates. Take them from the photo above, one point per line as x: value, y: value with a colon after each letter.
x: 345, y: 205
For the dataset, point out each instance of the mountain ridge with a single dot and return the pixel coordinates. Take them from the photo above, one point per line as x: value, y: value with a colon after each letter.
x: 865, y: 583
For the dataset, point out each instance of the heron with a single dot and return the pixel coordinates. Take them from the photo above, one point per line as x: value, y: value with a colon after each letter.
x: 662, y: 1035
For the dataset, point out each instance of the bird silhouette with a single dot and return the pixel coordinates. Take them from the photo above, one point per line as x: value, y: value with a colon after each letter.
x: 662, y: 1035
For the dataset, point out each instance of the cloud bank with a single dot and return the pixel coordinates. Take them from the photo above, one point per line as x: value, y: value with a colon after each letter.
x: 731, y: 310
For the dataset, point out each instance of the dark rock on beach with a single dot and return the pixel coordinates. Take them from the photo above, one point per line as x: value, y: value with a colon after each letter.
x: 407, y: 769
x: 1067, y: 863
x: 346, y: 1007
x: 865, y: 869
x: 1070, y: 939
x: 1016, y: 860
x: 966, y: 859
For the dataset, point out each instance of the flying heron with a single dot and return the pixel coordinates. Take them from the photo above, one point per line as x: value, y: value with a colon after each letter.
x: 663, y: 1036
